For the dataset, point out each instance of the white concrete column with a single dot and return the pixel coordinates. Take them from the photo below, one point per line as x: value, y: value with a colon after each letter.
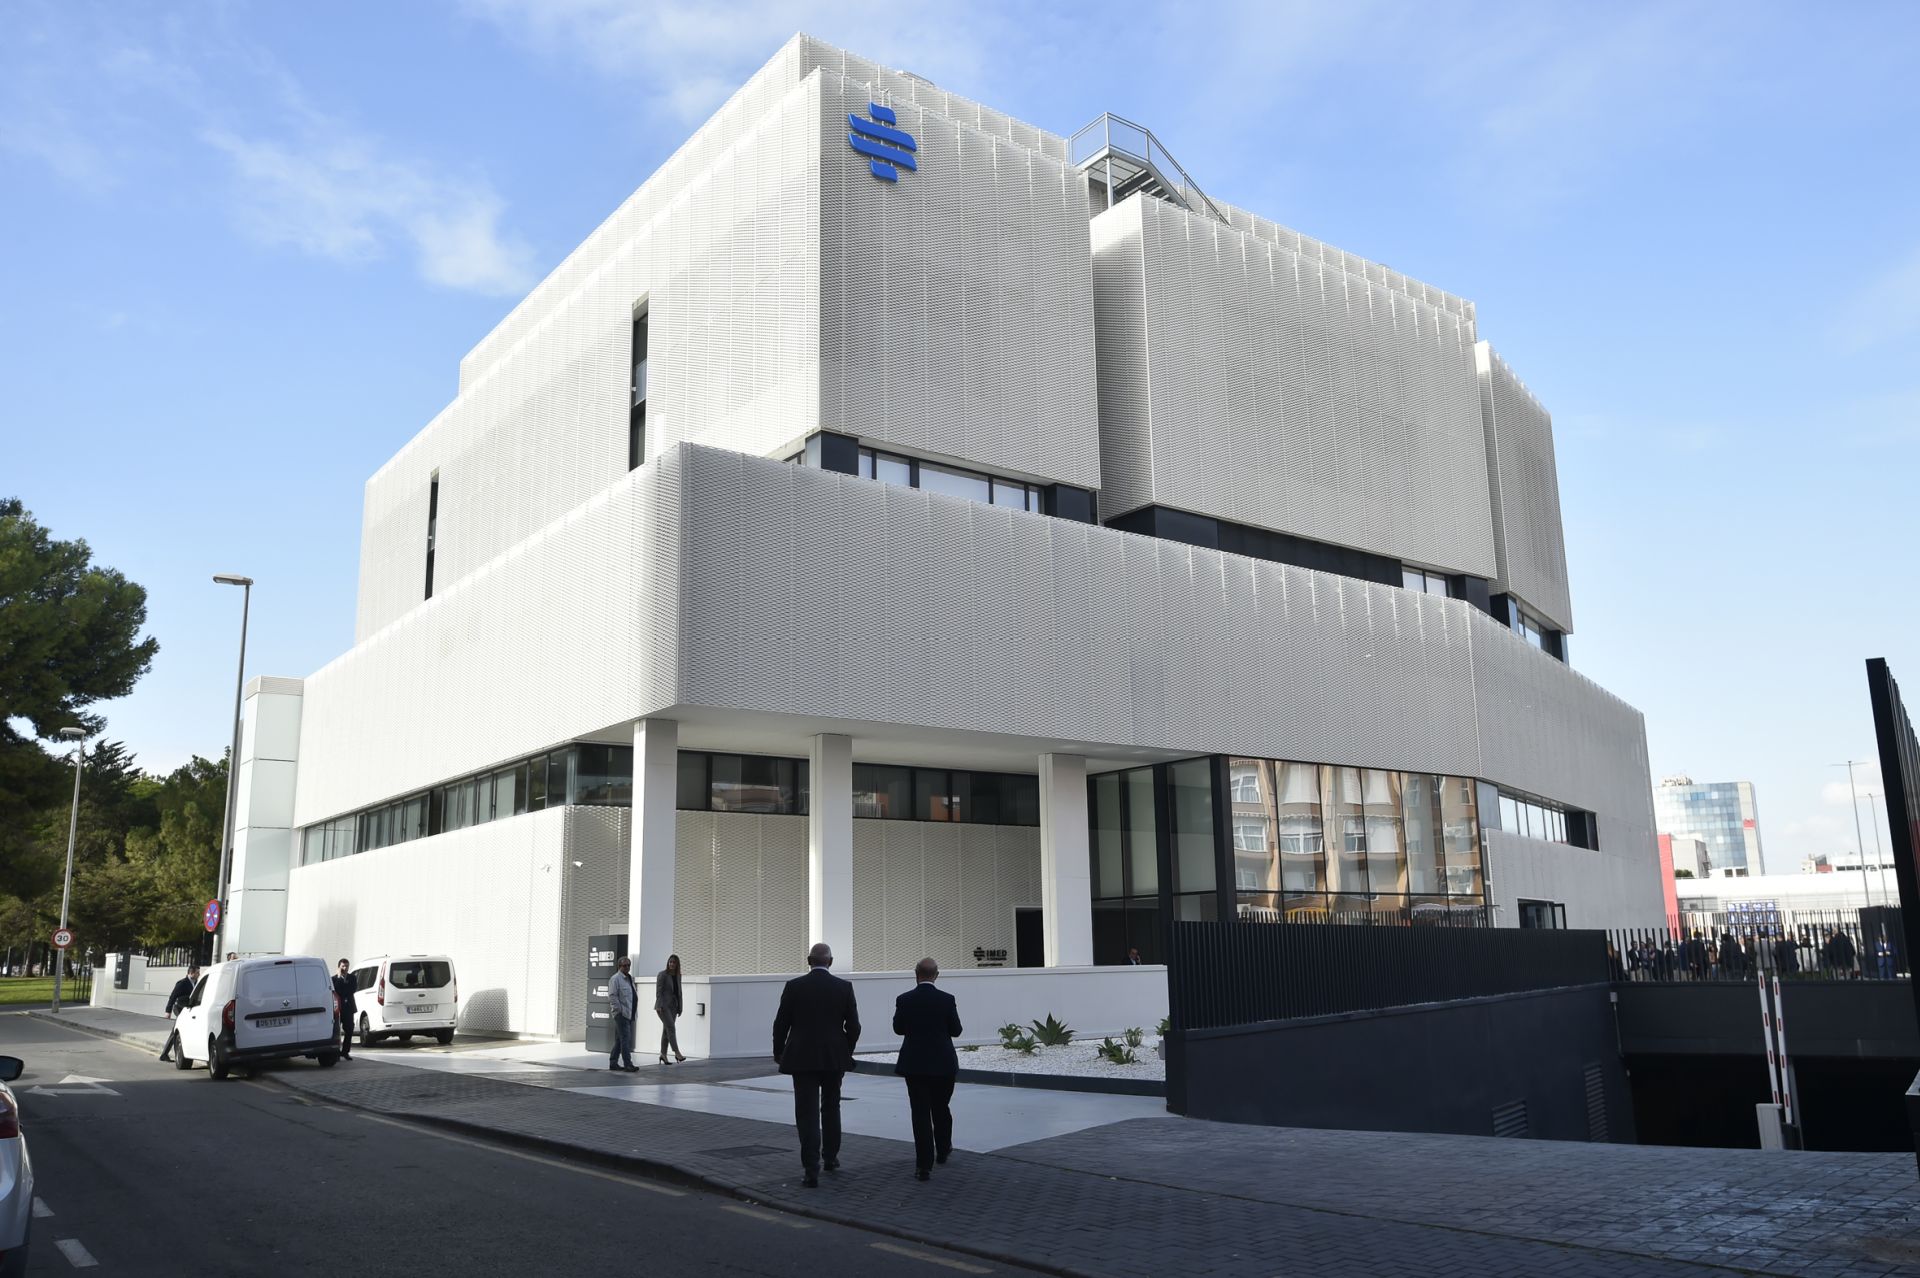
x: 656, y: 782
x: 263, y: 835
x: 830, y: 846
x: 1066, y: 876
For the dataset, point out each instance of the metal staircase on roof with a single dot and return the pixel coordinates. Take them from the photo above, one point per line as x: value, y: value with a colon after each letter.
x: 1123, y: 157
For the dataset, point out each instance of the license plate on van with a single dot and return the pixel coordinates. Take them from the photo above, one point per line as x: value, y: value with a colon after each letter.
x: 273, y: 1022
x: 421, y: 1007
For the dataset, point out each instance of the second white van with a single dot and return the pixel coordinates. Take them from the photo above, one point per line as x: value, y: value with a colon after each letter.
x: 405, y: 994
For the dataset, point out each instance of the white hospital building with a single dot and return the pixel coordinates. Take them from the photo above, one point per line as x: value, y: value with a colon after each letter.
x: 901, y: 526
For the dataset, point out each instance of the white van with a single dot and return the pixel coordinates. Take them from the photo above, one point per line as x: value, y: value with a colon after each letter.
x: 404, y: 995
x: 259, y: 1009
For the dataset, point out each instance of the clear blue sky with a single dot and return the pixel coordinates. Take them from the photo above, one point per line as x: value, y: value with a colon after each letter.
x: 243, y: 246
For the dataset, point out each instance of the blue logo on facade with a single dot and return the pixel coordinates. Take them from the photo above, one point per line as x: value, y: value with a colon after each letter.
x: 888, y: 149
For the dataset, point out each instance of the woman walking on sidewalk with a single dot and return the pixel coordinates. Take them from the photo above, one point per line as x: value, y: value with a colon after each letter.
x: 666, y: 1002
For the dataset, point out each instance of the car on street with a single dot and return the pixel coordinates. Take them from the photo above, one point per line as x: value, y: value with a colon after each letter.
x: 260, y: 1009
x: 403, y: 995
x: 16, y: 1176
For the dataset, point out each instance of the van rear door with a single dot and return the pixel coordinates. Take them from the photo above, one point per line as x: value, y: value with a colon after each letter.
x: 267, y: 1001
x: 315, y: 1021
x: 419, y: 991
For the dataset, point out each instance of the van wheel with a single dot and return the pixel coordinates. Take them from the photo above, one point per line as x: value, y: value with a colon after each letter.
x: 327, y: 1059
x: 406, y: 1038
x: 180, y: 1058
x: 367, y: 1036
x: 217, y: 1065
x: 445, y: 1036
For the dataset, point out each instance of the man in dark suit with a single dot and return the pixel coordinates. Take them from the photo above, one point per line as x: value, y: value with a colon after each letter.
x: 344, y: 988
x: 927, y: 1021
x: 182, y: 991
x: 814, y: 1034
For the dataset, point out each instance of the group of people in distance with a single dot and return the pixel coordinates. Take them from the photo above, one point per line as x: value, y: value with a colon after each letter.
x: 815, y: 1033
x: 1698, y: 955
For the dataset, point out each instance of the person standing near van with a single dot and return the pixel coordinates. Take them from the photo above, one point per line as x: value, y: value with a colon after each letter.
x: 343, y: 990
x: 666, y: 1005
x: 624, y: 996
x: 177, y: 1000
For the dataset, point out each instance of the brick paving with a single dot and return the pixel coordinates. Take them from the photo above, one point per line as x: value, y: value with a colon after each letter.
x: 1156, y: 1196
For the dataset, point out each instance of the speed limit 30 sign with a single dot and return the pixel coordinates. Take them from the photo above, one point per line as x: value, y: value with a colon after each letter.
x: 62, y: 938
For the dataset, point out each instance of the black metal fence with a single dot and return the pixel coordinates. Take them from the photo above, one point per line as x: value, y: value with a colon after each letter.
x: 1221, y: 974
x: 1834, y: 945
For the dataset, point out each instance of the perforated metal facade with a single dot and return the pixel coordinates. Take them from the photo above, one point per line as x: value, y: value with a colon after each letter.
x: 1240, y: 370
x: 1529, y: 545
x: 1278, y: 383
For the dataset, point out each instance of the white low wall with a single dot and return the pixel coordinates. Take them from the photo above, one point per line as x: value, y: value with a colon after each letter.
x: 147, y: 987
x: 739, y: 1010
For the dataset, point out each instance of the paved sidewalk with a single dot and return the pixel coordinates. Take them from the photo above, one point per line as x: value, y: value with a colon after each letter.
x: 1168, y: 1195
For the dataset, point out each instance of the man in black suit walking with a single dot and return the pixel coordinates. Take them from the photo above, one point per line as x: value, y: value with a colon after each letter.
x: 927, y: 1021
x: 814, y: 1034
x: 182, y: 991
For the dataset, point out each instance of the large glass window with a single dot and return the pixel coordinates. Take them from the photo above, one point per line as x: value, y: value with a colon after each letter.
x: 1190, y: 787
x: 955, y: 483
x: 1109, y: 838
x: 1143, y: 833
x: 885, y: 792
x: 951, y: 480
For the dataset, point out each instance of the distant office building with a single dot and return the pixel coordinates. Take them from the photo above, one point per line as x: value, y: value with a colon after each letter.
x: 1723, y: 813
x: 1686, y: 852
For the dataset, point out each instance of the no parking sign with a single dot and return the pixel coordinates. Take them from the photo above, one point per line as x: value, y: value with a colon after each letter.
x: 212, y: 916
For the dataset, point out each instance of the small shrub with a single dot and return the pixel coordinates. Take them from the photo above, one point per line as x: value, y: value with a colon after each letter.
x: 1136, y: 1036
x: 1009, y: 1033
x: 1165, y: 1027
x: 1024, y: 1044
x: 1051, y: 1032
x: 974, y: 1048
x: 1118, y: 1053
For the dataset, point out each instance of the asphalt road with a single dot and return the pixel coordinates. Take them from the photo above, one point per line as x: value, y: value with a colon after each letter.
x: 158, y: 1173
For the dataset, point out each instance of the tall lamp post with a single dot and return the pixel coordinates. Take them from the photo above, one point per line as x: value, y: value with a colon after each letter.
x: 79, y: 738
x: 233, y: 759
x: 1859, y: 842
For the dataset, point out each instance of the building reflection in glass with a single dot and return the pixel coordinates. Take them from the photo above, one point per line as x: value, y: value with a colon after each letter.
x: 1322, y: 843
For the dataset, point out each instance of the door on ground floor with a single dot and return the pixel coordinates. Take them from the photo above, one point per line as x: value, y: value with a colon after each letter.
x: 1029, y: 938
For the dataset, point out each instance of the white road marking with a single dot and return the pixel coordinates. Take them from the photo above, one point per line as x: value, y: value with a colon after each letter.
x: 40, y: 1208
x: 77, y: 1256
x: 932, y: 1259
x: 530, y: 1158
x: 75, y: 1085
x: 771, y: 1218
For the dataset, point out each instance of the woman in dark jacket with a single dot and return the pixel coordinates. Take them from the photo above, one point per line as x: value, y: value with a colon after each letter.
x: 666, y: 1003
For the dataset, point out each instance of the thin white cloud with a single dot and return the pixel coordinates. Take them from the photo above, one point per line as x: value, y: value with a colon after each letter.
x: 104, y: 102
x: 1885, y: 308
x: 688, y: 57
x: 341, y: 196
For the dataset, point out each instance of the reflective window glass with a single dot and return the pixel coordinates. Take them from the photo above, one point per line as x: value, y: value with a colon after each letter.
x: 1347, y: 823
x: 892, y: 470
x: 932, y: 794
x: 506, y: 793
x: 1190, y: 786
x: 1007, y: 493
x: 1297, y: 798
x: 1107, y: 836
x: 882, y: 793
x: 1420, y: 823
x: 1142, y: 833
x: 1255, y: 857
x: 1386, y: 850
x: 1460, y: 837
x: 954, y: 483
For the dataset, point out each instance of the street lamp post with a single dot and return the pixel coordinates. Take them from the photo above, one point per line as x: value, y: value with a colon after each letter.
x: 79, y: 738
x: 233, y: 758
x: 1859, y: 842
x: 1879, y: 865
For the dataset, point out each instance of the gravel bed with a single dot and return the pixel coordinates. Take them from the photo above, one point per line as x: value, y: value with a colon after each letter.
x: 1076, y: 1057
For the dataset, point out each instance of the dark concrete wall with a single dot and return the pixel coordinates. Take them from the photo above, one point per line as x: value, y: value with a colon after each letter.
x: 1841, y: 1019
x: 1434, y: 1068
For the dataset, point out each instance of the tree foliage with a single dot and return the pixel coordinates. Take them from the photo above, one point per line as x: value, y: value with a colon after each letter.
x: 69, y: 637
x: 146, y: 852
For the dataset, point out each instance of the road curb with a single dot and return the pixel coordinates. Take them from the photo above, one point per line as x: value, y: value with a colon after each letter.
x: 673, y: 1173
x: 98, y: 1031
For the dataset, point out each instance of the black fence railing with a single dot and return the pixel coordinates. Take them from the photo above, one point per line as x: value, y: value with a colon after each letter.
x: 1222, y: 974
x: 1809, y: 945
